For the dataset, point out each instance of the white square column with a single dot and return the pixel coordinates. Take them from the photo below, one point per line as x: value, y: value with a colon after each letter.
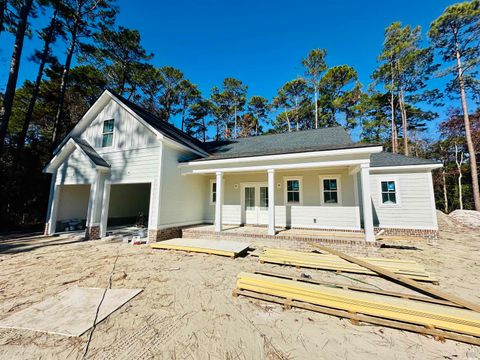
x: 105, y: 208
x: 219, y: 201
x: 367, y: 202
x: 271, y: 201
x: 52, y: 209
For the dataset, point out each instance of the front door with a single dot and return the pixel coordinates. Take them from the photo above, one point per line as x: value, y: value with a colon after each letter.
x: 255, y: 203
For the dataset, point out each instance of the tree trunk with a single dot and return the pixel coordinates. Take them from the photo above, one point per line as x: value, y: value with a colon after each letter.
x: 460, y: 175
x: 316, y: 104
x: 63, y: 84
x: 468, y: 132
x: 394, y: 123
x: 204, y: 130
x: 6, y: 110
x: 235, y: 122
x: 3, y: 9
x: 46, y: 49
x: 445, y: 194
x: 404, y: 122
x: 183, y: 119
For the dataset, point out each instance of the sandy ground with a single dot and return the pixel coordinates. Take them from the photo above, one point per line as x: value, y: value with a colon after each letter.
x: 186, y: 310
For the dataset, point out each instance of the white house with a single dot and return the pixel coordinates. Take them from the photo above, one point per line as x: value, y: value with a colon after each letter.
x: 120, y: 160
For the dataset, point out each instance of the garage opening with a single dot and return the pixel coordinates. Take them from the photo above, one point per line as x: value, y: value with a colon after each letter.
x: 129, y: 205
x: 72, y: 207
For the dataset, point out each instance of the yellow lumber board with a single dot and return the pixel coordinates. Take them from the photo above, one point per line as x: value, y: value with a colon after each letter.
x: 438, y: 334
x: 404, y: 280
x: 358, y: 288
x: 192, y: 249
x: 333, y: 262
x: 406, y: 310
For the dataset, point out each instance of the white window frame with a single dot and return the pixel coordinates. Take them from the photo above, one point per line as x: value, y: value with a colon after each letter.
x: 212, y: 181
x: 339, y: 189
x: 285, y: 190
x: 397, y: 191
x: 113, y: 134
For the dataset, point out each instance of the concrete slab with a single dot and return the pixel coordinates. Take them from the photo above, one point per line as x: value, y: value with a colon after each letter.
x: 70, y: 313
x: 217, y: 247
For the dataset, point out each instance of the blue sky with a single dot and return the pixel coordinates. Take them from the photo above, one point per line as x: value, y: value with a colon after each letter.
x: 259, y: 42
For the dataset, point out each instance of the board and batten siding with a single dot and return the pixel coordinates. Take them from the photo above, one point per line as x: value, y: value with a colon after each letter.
x: 76, y: 169
x: 414, y: 207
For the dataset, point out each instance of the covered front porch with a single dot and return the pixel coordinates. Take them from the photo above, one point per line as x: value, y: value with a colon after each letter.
x: 325, y: 196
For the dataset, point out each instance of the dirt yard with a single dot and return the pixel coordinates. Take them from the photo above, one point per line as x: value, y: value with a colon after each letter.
x: 186, y: 310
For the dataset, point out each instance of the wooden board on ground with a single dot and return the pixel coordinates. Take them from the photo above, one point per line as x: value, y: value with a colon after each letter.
x: 216, y: 247
x: 332, y: 262
x: 70, y: 313
x: 403, y: 279
x: 430, y: 316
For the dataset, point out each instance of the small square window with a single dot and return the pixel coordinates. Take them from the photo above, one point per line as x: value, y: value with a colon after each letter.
x: 389, y: 192
x: 107, y: 134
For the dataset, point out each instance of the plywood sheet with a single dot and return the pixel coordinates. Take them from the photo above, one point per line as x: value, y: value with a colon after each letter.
x: 70, y: 313
x: 217, y: 247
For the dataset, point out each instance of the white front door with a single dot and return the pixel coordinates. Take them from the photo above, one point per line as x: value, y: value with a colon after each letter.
x: 255, y: 203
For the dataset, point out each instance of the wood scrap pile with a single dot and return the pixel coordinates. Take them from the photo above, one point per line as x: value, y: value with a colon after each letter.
x: 439, y: 314
x: 411, y: 269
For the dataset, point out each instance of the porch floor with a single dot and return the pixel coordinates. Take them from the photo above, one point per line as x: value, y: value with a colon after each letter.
x: 262, y: 231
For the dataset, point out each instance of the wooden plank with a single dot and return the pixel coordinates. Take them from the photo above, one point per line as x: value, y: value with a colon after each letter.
x: 215, y: 247
x: 331, y: 262
x: 447, y: 318
x: 355, y: 318
x: 362, y: 289
x: 402, y: 279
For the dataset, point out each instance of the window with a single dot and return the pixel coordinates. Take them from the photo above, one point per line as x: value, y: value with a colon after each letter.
x: 293, y: 190
x: 213, y: 192
x: 107, y: 134
x: 264, y: 198
x: 389, y: 192
x: 250, y: 198
x: 330, y: 190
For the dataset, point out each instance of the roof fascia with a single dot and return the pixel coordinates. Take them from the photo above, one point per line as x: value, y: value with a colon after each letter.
x: 287, y: 156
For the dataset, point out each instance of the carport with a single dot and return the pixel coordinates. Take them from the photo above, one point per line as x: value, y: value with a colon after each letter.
x: 128, y: 205
x: 72, y: 207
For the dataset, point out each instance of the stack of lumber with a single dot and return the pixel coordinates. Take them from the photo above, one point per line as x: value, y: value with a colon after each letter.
x: 442, y: 321
x: 215, y: 247
x: 332, y: 262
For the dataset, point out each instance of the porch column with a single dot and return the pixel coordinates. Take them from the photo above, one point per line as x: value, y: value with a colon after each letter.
x: 52, y: 210
x: 271, y: 202
x: 94, y: 212
x: 105, y: 208
x: 219, y: 202
x: 367, y: 203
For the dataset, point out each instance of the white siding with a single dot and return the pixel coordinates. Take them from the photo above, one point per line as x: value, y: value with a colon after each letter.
x: 414, y: 197
x: 182, y: 198
x: 76, y: 169
x: 129, y: 133
x: 310, y: 215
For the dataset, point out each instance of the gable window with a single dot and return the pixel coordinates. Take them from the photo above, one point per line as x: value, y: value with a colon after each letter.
x: 330, y: 190
x: 389, y: 192
x: 293, y: 190
x: 107, y: 134
x: 213, y: 192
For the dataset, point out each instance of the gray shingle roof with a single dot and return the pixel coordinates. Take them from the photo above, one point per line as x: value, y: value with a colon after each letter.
x: 90, y: 152
x: 163, y: 127
x: 385, y: 158
x: 333, y: 138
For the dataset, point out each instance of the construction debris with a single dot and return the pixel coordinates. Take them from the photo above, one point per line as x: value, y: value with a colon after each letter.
x: 333, y: 262
x: 441, y: 321
x: 216, y: 247
x: 402, y: 279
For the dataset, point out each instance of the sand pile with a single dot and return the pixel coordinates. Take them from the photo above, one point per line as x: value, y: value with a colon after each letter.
x: 470, y: 218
